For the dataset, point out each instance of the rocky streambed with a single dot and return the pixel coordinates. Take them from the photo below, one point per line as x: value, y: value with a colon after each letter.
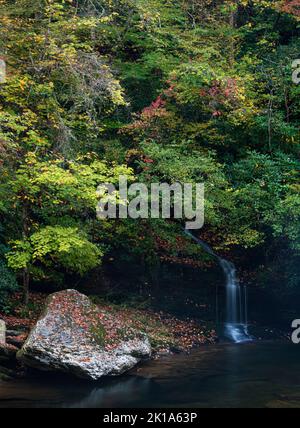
x: 12, y: 340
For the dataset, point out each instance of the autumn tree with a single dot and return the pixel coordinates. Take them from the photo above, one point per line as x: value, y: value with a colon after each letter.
x: 51, y: 202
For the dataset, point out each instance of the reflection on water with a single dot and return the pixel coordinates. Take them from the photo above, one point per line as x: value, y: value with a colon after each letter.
x: 248, y: 375
x: 124, y: 392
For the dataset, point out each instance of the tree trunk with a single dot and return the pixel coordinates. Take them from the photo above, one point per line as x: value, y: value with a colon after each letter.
x: 26, y: 279
x: 26, y: 275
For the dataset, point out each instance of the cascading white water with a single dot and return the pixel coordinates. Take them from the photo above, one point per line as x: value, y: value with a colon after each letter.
x: 236, y: 323
x: 236, y: 326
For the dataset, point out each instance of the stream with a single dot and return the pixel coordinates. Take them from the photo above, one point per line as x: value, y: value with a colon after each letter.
x: 240, y: 372
x: 249, y: 375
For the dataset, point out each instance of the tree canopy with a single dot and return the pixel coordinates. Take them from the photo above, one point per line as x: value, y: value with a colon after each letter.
x: 158, y: 90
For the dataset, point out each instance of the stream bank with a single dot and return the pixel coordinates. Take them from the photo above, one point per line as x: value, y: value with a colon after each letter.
x: 176, y: 321
x: 167, y: 334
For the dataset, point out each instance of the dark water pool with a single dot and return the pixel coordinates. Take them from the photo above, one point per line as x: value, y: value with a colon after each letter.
x: 249, y: 375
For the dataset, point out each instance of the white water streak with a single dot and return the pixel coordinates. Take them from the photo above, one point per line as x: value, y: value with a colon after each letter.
x: 236, y: 328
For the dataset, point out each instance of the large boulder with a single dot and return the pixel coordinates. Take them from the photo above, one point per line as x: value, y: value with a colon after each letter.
x: 75, y: 336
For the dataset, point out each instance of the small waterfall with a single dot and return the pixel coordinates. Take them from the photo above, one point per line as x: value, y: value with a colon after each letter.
x: 236, y: 323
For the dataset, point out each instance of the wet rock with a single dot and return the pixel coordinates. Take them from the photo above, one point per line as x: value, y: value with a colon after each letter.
x: 8, y: 352
x: 15, y: 341
x: 70, y: 338
x: 13, y: 333
x: 7, y: 360
x: 6, y: 374
x: 2, y: 332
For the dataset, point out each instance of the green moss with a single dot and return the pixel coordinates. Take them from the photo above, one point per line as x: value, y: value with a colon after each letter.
x: 99, y: 334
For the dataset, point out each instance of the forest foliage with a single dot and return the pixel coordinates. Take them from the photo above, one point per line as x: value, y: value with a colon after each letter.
x: 158, y: 90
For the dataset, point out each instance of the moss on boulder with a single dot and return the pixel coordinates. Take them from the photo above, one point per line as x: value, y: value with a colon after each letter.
x: 70, y: 337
